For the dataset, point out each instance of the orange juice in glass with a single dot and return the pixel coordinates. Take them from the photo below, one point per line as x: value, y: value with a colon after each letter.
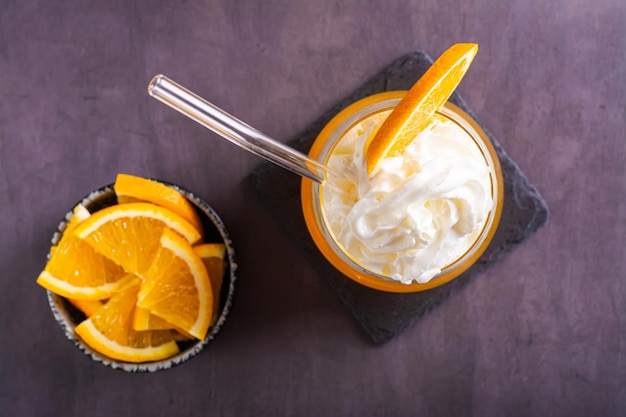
x: 423, y: 218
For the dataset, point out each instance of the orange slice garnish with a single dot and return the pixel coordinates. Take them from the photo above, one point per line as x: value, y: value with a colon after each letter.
x: 416, y: 109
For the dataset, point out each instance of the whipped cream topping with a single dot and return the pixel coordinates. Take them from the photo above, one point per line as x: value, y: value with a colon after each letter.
x: 419, y: 212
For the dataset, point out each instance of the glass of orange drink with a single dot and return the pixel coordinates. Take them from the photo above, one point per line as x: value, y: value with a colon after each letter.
x: 416, y: 208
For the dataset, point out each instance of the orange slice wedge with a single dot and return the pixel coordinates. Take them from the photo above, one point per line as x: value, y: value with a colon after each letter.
x: 79, y: 213
x: 176, y: 287
x: 129, y: 234
x: 141, y: 319
x: 88, y: 307
x: 416, y: 109
x: 144, y: 320
x: 109, y: 331
x: 76, y: 270
x: 212, y: 255
x: 131, y: 189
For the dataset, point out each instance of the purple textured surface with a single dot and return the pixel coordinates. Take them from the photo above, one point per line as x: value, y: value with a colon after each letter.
x: 542, y: 332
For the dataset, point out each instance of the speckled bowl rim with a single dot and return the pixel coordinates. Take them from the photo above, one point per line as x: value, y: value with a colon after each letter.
x: 67, y: 324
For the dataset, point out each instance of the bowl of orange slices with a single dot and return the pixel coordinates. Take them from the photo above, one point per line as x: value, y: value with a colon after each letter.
x: 140, y: 274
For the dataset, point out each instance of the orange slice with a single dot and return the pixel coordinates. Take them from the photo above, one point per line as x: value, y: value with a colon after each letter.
x: 79, y: 213
x: 212, y: 255
x: 129, y: 234
x: 416, y: 109
x: 109, y: 332
x: 88, y: 307
x: 176, y: 287
x: 144, y: 320
x: 130, y: 189
x: 82, y: 276
x: 141, y: 319
x: 76, y: 270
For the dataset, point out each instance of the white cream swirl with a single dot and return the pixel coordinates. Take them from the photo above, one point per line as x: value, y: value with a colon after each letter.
x: 420, y: 212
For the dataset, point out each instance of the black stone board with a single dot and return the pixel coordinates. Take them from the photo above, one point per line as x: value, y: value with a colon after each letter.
x: 385, y: 315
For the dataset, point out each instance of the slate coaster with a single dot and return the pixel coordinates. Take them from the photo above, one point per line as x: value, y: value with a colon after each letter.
x: 385, y: 315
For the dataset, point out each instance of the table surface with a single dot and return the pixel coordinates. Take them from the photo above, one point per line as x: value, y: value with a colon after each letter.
x: 543, y: 332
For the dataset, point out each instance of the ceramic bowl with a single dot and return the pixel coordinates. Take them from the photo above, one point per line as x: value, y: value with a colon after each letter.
x: 69, y: 317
